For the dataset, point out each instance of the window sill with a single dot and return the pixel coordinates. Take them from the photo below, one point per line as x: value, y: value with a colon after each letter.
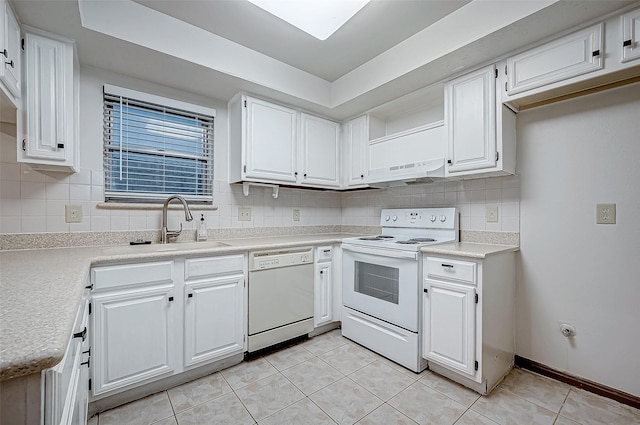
x: 133, y: 206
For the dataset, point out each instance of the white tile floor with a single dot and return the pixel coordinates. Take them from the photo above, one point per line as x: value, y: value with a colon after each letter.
x: 330, y: 380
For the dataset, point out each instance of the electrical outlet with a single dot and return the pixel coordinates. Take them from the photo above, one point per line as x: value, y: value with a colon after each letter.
x: 73, y: 213
x: 606, y: 214
x: 244, y: 214
x: 492, y: 213
x: 296, y: 215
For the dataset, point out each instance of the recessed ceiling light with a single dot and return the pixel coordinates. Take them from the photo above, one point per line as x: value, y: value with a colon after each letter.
x: 320, y: 18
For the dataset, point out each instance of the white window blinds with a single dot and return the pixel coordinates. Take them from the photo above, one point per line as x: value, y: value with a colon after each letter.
x: 156, y: 147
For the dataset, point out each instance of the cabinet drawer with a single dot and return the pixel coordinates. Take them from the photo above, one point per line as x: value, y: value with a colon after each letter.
x: 455, y: 270
x: 139, y: 274
x: 197, y: 268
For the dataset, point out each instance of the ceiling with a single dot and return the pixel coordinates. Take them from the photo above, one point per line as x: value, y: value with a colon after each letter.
x: 219, y: 47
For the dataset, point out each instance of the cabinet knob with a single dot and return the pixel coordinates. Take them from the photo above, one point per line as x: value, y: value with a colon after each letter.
x: 305, y: 175
x: 449, y: 161
x: 6, y: 55
x: 595, y: 53
x: 170, y: 299
x: 295, y: 174
x: 190, y: 296
x: 87, y: 362
x: 625, y: 43
x: 321, y: 271
x: 60, y: 145
x: 10, y: 63
x: 361, y: 176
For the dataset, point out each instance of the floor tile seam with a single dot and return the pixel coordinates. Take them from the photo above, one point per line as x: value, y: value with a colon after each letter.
x: 319, y: 407
x: 175, y: 412
x: 349, y: 376
x: 450, y: 398
x: 251, y: 382
x: 511, y: 393
x: 319, y: 389
x: 403, y: 414
x: 569, y: 387
x: 278, y: 411
x: 466, y: 410
x: 607, y: 400
x: 245, y: 407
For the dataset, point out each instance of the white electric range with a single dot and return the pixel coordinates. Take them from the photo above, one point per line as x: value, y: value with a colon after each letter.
x: 382, y: 281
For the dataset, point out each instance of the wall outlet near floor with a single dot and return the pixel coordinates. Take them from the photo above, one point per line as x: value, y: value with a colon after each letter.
x: 296, y: 215
x: 73, y: 213
x: 244, y: 214
x: 606, y: 214
x: 492, y: 213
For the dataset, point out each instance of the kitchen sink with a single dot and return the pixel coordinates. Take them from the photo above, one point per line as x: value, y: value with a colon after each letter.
x: 157, y: 247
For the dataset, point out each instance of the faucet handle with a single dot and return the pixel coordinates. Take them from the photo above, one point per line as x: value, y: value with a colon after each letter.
x: 174, y: 233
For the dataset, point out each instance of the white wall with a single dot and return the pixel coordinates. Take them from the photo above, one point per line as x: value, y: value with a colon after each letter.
x: 572, y: 155
x: 33, y: 201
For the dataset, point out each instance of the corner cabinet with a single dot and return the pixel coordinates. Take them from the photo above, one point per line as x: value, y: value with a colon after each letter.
x: 10, y: 68
x: 270, y: 143
x: 50, y: 92
x: 355, y: 140
x: 468, y: 318
x: 479, y: 130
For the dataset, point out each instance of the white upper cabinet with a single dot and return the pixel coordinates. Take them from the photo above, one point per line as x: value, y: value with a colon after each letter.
x: 270, y: 134
x: 320, y: 158
x: 631, y: 36
x: 270, y: 143
x: 578, y: 53
x: 50, y: 100
x: 355, y: 138
x: 10, y: 68
x: 480, y: 131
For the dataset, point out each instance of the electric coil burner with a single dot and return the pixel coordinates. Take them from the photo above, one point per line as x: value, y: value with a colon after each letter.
x: 382, y: 281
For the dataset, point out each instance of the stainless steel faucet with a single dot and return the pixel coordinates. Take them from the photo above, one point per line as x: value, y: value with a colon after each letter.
x: 166, y: 233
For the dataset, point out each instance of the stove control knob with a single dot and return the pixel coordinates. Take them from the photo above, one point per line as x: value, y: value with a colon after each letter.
x: 395, y: 218
x: 443, y: 218
x: 387, y: 218
x: 433, y: 218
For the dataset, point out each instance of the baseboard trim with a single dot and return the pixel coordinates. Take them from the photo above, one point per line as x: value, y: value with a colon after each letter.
x: 585, y: 384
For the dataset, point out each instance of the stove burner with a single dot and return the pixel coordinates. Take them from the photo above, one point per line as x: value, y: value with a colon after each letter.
x: 409, y: 242
x: 376, y: 238
x: 422, y: 239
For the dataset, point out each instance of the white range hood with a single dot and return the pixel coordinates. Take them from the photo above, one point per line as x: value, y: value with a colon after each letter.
x: 412, y: 156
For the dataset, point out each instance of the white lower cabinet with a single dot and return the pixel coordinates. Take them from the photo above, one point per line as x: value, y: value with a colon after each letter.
x: 323, y: 293
x: 469, y: 318
x: 158, y: 319
x: 214, y: 316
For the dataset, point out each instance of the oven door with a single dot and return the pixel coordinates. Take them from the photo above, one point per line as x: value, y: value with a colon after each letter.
x: 382, y: 283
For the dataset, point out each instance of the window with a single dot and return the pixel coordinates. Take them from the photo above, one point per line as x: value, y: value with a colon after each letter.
x: 156, y: 147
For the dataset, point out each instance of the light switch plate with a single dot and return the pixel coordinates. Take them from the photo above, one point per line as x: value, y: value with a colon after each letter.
x: 73, y: 213
x: 606, y: 214
x: 296, y: 215
x: 244, y: 214
x: 492, y: 213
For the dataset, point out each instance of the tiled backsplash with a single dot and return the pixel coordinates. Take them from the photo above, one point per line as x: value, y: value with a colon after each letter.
x: 34, y: 202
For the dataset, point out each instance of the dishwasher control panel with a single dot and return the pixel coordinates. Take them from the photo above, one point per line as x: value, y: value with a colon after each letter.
x: 262, y: 260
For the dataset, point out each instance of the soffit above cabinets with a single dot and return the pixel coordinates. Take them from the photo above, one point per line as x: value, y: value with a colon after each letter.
x: 217, y: 48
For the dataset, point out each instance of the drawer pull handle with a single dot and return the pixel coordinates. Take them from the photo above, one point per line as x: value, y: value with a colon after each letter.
x: 87, y: 352
x: 10, y: 63
x: 626, y: 43
x: 596, y: 53
x: 170, y: 299
x: 448, y: 266
x: 426, y: 291
x: 190, y: 296
x: 87, y: 362
x: 82, y: 334
x: 6, y: 55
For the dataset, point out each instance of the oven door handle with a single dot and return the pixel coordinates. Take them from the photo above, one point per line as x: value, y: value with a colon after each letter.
x: 389, y: 253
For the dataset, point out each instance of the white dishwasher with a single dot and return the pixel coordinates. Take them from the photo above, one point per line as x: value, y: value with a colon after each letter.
x: 280, y: 296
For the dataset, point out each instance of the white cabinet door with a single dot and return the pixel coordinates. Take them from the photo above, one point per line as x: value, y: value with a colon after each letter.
x: 322, y: 295
x: 575, y: 54
x: 213, y: 319
x: 50, y: 103
x: 270, y: 137
x: 320, y: 142
x: 133, y: 333
x: 470, y: 121
x: 450, y: 325
x: 355, y: 138
x: 631, y: 36
x: 10, y: 72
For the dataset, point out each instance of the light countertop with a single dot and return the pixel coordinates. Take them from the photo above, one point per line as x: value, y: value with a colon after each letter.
x: 41, y: 290
x: 469, y: 249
